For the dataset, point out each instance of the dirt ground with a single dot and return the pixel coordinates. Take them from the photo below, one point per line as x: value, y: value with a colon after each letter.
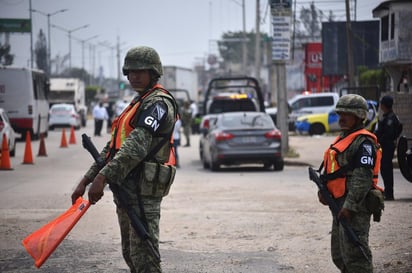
x: 215, y: 223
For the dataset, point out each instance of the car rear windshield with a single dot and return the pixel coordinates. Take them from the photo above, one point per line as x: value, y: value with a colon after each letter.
x: 59, y: 109
x: 247, y: 121
x: 227, y: 105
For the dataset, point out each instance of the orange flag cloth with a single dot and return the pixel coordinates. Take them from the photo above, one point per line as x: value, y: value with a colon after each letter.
x: 41, y: 243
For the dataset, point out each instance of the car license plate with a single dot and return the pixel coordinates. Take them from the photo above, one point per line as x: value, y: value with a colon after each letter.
x: 248, y: 139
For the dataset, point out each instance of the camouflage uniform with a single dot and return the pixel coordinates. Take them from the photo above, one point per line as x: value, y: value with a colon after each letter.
x: 345, y: 254
x: 121, y: 171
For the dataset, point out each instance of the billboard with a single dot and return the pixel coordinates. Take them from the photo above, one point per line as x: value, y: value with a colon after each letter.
x: 365, y: 46
x: 15, y: 25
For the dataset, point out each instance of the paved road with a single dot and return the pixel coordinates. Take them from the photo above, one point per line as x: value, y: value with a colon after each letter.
x: 237, y: 220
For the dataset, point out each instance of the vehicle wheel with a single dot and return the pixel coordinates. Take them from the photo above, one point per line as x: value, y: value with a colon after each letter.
x: 316, y: 129
x: 278, y: 165
x: 37, y: 135
x: 84, y: 121
x: 205, y: 164
x: 214, y: 166
x: 200, y: 152
x: 13, y: 150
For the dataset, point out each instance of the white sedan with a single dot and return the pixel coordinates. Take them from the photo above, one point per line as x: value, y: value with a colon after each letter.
x: 7, y: 130
x: 64, y: 115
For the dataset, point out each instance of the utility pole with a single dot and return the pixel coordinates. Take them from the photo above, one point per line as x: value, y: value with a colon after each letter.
x: 31, y: 36
x: 257, y: 42
x: 351, y: 67
x: 244, y: 50
x: 48, y: 15
x: 281, y: 43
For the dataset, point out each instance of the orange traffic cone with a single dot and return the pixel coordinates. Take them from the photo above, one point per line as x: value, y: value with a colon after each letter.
x: 28, y: 154
x: 42, y: 147
x: 63, y: 143
x: 5, y: 163
x: 72, y: 139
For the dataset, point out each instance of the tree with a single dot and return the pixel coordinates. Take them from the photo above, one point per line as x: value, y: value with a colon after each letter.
x: 310, y: 23
x: 230, y: 47
x: 5, y: 57
x: 311, y: 20
x: 41, y: 52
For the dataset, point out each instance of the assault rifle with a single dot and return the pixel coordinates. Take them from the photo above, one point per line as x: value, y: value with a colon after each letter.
x: 121, y: 196
x: 334, y: 207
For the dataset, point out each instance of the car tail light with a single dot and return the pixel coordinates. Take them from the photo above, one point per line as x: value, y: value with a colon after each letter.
x: 222, y: 136
x: 1, y: 125
x: 274, y: 134
x: 30, y: 109
x: 75, y: 116
x: 206, y: 124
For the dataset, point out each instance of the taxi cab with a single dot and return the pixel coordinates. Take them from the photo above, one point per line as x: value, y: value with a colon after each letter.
x: 318, y: 124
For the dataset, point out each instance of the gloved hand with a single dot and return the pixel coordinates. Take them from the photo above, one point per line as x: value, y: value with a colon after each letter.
x: 321, y: 200
x: 96, y: 189
x: 80, y: 189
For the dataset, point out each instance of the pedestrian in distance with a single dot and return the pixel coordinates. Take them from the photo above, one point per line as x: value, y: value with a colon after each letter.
x: 187, y: 122
x: 99, y: 116
x: 110, y: 115
x: 138, y: 160
x: 194, y: 110
x: 388, y: 131
x: 176, y: 140
x: 350, y: 171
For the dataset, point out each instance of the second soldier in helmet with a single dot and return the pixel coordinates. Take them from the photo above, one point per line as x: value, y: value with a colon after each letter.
x: 350, y: 169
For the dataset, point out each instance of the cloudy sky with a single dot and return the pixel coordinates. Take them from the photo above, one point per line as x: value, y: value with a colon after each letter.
x: 184, y: 32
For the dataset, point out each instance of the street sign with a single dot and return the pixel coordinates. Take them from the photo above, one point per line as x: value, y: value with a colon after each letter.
x: 15, y: 25
x: 281, y: 40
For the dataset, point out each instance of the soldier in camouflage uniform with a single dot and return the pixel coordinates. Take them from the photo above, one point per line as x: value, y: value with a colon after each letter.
x: 350, y: 165
x: 148, y: 119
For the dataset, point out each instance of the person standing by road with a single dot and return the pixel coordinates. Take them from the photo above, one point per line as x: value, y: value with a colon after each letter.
x: 99, y: 115
x: 187, y: 122
x: 194, y: 110
x: 389, y: 129
x: 176, y: 140
x: 351, y: 167
x: 137, y: 158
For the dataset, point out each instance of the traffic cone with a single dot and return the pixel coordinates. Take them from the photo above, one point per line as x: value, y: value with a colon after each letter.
x: 63, y: 143
x: 28, y: 154
x: 5, y: 163
x: 42, y: 147
x: 72, y: 139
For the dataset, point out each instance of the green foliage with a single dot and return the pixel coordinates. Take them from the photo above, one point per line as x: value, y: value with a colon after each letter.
x: 79, y: 73
x: 91, y: 93
x: 371, y: 77
x: 5, y: 57
x: 230, y: 46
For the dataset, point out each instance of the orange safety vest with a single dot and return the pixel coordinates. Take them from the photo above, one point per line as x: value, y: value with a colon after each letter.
x: 121, y: 126
x: 335, y: 174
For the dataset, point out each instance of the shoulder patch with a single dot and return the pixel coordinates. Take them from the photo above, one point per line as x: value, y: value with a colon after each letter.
x: 366, y: 158
x: 152, y: 117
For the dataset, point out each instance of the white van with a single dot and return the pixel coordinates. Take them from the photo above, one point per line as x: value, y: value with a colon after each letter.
x: 23, y: 95
x: 311, y: 104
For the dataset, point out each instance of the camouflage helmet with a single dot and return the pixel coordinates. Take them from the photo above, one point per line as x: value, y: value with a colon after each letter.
x: 354, y: 104
x: 141, y: 58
